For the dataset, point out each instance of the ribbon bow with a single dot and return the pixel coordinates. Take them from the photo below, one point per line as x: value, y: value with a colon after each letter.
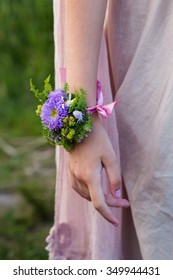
x: 104, y: 110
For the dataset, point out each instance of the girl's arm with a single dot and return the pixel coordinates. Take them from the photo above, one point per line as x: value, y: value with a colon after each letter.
x: 84, y: 26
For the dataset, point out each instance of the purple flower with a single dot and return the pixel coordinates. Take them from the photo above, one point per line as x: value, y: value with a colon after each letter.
x: 54, y: 110
x: 78, y: 115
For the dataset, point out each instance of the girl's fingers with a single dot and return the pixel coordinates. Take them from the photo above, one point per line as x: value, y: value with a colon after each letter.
x: 110, y: 163
x: 116, y: 202
x: 98, y: 200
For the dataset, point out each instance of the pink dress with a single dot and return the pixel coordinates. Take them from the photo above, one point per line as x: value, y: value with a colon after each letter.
x: 136, y: 66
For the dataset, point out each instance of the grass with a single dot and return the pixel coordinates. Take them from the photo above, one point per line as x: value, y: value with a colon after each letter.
x: 22, y: 237
x: 27, y: 168
x: 29, y: 173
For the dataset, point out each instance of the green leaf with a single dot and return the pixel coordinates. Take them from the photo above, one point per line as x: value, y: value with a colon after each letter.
x: 79, y: 102
x: 43, y: 95
x: 32, y: 88
x: 47, y: 86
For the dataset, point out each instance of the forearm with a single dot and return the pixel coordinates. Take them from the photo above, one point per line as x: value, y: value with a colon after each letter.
x: 84, y: 26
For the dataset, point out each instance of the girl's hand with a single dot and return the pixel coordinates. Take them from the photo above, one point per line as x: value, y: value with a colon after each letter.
x: 86, y: 161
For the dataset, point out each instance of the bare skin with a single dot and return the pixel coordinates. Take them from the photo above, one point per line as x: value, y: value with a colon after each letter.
x: 84, y: 25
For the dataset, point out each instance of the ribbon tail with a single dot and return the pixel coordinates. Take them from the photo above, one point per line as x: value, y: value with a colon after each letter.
x: 99, y: 94
x: 91, y: 109
x: 109, y: 107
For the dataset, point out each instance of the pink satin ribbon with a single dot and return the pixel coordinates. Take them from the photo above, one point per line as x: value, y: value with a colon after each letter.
x: 104, y: 110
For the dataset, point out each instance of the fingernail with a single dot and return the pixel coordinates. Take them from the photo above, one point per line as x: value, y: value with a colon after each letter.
x: 126, y: 204
x: 118, y: 193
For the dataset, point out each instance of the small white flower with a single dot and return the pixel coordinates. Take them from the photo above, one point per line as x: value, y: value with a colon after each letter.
x: 68, y: 102
x: 78, y: 115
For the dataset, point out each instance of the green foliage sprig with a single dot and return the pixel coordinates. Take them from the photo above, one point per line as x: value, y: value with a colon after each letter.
x: 43, y: 95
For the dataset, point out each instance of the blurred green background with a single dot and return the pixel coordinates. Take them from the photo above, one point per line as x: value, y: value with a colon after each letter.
x: 27, y: 168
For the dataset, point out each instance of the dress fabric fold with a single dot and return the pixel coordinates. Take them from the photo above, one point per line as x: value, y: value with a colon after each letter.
x: 135, y: 66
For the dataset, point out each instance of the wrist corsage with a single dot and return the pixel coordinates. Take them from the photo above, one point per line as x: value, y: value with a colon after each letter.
x: 65, y: 117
